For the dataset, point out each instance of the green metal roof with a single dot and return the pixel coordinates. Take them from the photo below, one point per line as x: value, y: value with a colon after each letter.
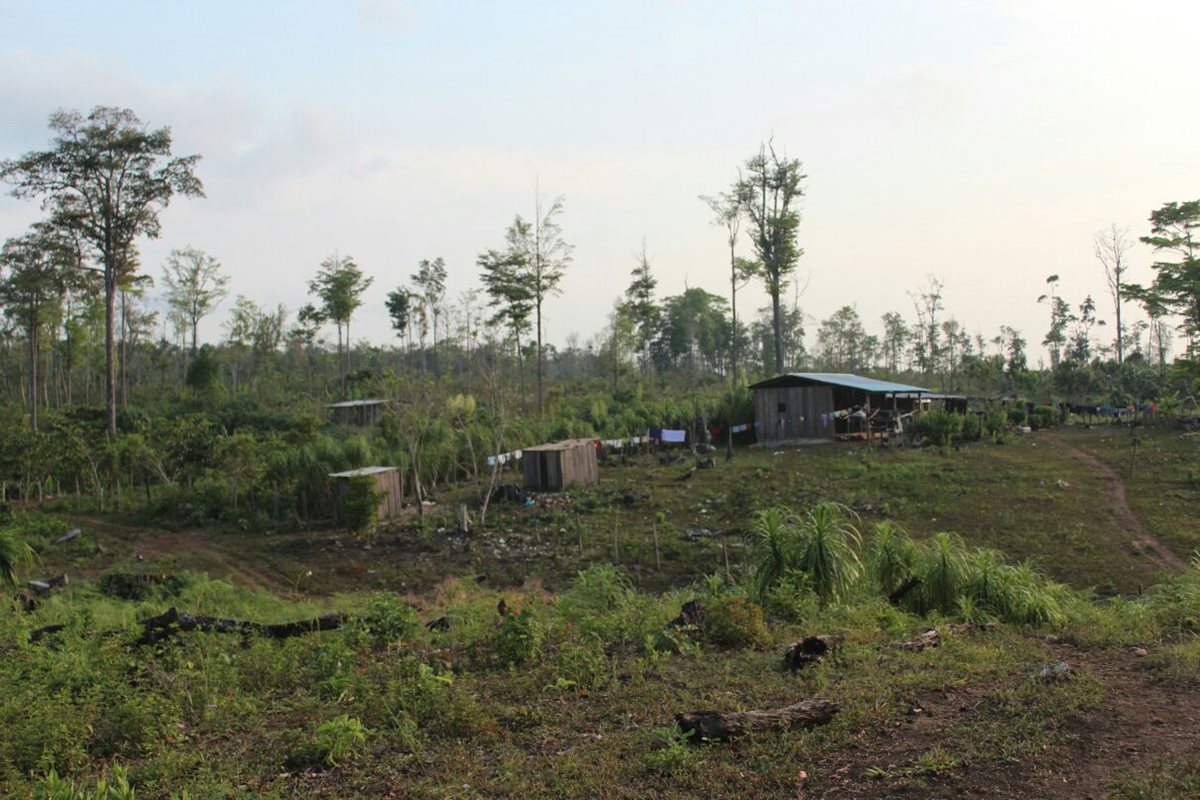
x: 843, y: 379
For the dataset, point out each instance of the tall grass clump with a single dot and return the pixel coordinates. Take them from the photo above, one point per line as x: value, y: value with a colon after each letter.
x: 891, y: 558
x: 819, y: 550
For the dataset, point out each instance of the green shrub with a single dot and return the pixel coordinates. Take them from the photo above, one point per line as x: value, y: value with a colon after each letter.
x: 360, y: 503
x: 1043, y: 417
x: 339, y: 739
x: 938, y: 427
x: 516, y: 639
x: 387, y: 619
x: 115, y: 786
x: 733, y: 622
x: 891, y: 558
x: 972, y: 428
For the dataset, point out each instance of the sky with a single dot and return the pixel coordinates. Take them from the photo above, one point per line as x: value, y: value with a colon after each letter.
x: 982, y: 144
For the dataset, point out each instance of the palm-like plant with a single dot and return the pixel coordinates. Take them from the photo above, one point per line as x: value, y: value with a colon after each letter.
x: 891, y: 557
x: 829, y: 550
x: 14, y: 554
x: 942, y: 570
x: 775, y: 549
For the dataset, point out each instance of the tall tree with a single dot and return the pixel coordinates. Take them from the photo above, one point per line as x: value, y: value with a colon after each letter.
x: 768, y: 192
x: 643, y: 310
x: 430, y: 280
x: 32, y: 286
x: 1176, y: 287
x: 400, y: 302
x: 928, y: 340
x: 896, y: 334
x: 1111, y: 248
x: 339, y: 285
x: 727, y: 213
x: 107, y: 176
x: 195, y: 287
x: 529, y: 272
x: 1060, y: 317
x: 502, y: 279
x: 842, y: 342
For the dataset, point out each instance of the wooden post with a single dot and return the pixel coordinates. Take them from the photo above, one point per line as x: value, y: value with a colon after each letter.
x: 657, y: 557
x: 579, y: 533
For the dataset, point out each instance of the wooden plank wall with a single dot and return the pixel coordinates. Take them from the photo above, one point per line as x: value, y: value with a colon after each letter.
x: 805, y: 405
x: 388, y: 485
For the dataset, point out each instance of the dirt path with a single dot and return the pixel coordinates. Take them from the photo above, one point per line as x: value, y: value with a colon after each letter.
x: 1143, y: 540
x: 196, y: 551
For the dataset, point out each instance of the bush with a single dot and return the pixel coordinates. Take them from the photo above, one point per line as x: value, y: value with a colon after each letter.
x: 516, y: 639
x: 938, y: 427
x: 1043, y: 417
x: 339, y: 739
x: 387, y: 620
x: 733, y: 622
x: 360, y: 504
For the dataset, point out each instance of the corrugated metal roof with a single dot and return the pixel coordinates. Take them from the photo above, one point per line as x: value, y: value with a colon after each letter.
x: 843, y: 379
x: 565, y: 444
x: 355, y: 403
x: 353, y: 473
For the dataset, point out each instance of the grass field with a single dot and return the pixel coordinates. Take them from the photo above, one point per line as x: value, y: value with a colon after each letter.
x: 570, y: 690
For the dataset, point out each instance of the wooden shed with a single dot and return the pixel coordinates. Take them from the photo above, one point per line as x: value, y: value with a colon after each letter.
x: 555, y: 466
x: 386, y: 482
x: 813, y: 406
x: 357, y: 412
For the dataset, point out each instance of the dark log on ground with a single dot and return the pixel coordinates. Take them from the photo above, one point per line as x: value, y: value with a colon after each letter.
x: 68, y: 536
x: 439, y: 624
x: 26, y: 602
x: 172, y: 622
x: 37, y: 634
x: 903, y: 589
x: 930, y: 638
x: 692, y: 614
x: 809, y: 650
x: 719, y: 725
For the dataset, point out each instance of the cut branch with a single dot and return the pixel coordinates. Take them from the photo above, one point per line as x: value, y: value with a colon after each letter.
x: 722, y: 725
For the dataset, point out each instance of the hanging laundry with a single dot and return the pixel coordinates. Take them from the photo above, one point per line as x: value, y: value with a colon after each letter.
x: 674, y: 437
x: 654, y: 435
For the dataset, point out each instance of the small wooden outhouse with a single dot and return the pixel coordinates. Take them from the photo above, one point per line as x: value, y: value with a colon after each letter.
x: 555, y: 466
x: 387, y: 485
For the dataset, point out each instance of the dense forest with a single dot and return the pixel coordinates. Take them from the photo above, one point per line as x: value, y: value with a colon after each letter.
x: 109, y: 402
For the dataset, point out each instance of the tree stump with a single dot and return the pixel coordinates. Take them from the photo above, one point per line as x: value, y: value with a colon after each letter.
x: 809, y: 650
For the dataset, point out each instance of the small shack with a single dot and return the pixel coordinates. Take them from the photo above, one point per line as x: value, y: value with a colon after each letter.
x: 357, y: 412
x: 385, y: 483
x: 816, y: 406
x: 555, y: 466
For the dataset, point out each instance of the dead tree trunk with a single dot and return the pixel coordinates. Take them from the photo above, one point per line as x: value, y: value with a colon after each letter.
x: 719, y: 725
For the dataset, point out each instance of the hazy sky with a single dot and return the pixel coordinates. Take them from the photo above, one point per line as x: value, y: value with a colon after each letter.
x: 983, y: 143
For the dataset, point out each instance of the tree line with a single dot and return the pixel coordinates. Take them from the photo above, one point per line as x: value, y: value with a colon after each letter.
x: 77, y: 329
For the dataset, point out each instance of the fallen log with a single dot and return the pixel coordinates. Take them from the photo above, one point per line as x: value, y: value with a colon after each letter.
x: 723, y: 725
x: 37, y: 634
x: 171, y: 622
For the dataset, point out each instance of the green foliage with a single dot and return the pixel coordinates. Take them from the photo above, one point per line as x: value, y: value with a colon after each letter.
x: 114, y: 786
x: 672, y: 750
x: 360, y: 503
x: 15, y: 554
x: 891, y: 558
x: 937, y: 426
x: 387, y: 619
x: 517, y: 638
x: 733, y: 622
x: 340, y: 739
x: 829, y: 556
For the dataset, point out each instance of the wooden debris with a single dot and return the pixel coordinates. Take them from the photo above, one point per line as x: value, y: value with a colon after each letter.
x: 37, y: 634
x: 439, y: 624
x: 972, y: 627
x: 809, y: 650
x: 68, y: 536
x: 172, y: 622
x: 930, y: 638
x: 723, y: 725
